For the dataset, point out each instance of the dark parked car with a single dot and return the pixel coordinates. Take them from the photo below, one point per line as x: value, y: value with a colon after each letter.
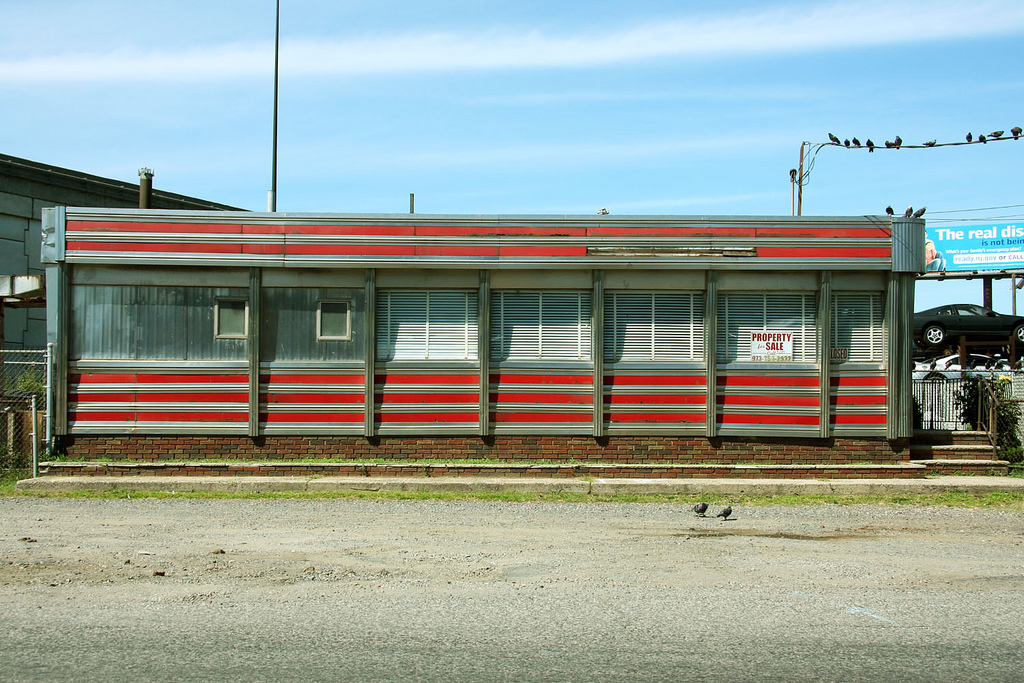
x: 936, y: 326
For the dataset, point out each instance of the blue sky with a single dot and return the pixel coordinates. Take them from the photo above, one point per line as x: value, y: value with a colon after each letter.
x: 644, y: 107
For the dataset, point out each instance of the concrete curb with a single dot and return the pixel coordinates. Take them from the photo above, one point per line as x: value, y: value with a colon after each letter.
x: 595, y: 487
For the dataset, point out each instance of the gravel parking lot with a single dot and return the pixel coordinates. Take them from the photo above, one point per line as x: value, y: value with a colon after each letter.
x: 332, y: 589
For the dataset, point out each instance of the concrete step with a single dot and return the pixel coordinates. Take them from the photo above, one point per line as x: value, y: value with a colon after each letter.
x: 926, y: 451
x: 895, y: 470
x: 959, y: 466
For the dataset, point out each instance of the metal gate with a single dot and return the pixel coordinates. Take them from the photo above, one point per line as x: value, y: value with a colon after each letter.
x: 24, y: 424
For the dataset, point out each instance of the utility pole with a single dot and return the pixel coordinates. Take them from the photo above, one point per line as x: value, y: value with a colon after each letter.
x: 272, y: 195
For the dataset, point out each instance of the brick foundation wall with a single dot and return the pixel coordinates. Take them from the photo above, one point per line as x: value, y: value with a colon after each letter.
x: 633, y: 450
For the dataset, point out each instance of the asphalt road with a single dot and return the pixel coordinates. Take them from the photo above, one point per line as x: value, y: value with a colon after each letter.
x: 349, y: 590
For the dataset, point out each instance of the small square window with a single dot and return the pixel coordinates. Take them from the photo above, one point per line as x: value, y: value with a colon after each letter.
x: 334, y: 321
x: 231, y: 318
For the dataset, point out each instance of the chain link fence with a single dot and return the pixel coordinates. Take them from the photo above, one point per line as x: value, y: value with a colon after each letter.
x: 23, y: 390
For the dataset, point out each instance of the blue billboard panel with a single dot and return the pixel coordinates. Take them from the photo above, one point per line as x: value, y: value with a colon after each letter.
x: 998, y: 246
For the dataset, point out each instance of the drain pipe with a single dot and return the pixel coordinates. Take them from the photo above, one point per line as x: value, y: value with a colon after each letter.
x: 145, y: 188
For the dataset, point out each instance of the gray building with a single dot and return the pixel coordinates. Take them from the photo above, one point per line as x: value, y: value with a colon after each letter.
x: 26, y: 187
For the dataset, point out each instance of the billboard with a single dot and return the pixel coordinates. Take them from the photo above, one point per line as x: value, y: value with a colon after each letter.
x: 998, y: 246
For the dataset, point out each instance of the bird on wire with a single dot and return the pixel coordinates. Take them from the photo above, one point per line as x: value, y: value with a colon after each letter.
x: 889, y: 211
x: 930, y: 143
x: 724, y: 514
x: 919, y: 212
x: 889, y: 145
x: 871, y: 145
x: 856, y: 142
x: 701, y: 509
x: 982, y: 140
x: 834, y: 139
x: 846, y: 143
x: 898, y: 142
x: 998, y: 134
x: 970, y: 138
x: 909, y: 212
x: 1016, y: 131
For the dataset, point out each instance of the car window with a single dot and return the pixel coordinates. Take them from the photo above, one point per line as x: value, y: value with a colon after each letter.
x: 971, y: 310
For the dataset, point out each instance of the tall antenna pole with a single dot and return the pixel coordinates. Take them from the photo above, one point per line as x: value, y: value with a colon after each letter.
x: 272, y: 195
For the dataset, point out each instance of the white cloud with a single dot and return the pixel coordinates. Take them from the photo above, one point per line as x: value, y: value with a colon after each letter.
x: 783, y: 29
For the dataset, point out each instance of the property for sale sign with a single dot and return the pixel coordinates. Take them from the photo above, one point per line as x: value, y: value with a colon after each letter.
x: 771, y: 347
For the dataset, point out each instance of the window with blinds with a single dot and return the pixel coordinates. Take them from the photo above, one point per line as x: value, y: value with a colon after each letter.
x: 653, y: 326
x: 742, y: 313
x: 540, y: 326
x: 857, y: 325
x: 426, y: 325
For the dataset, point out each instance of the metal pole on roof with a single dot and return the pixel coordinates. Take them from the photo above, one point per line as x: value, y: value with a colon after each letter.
x: 800, y: 183
x: 272, y: 195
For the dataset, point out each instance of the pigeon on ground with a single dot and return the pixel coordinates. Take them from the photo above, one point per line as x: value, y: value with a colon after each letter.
x: 700, y: 509
x: 724, y: 514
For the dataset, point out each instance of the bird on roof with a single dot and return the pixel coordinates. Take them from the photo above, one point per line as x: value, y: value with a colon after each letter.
x: 919, y: 212
x: 602, y: 211
x: 909, y: 212
x: 871, y: 145
x: 889, y: 211
x: 998, y: 134
x: 930, y: 143
x: 970, y: 137
x: 856, y: 142
x: 700, y: 508
x: 724, y: 514
x: 898, y: 142
x: 833, y: 138
x: 1016, y: 131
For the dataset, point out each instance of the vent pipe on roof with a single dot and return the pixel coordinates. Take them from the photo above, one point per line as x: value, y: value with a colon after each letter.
x: 145, y: 188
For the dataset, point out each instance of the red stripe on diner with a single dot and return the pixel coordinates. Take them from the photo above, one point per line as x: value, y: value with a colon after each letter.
x: 137, y: 226
x: 84, y: 416
x: 97, y: 378
x: 205, y: 416
x: 312, y: 380
x: 858, y: 419
x: 350, y: 230
x: 326, y: 399
x: 765, y: 381
x: 152, y: 378
x: 350, y: 250
x: 500, y: 230
x: 75, y: 397
x: 699, y: 231
x: 426, y: 399
x: 428, y: 418
x: 736, y: 418
x: 654, y: 380
x: 335, y: 418
x: 566, y: 250
x: 532, y: 398
x: 653, y: 399
x: 190, y: 397
x: 850, y: 381
x: 655, y: 418
x: 456, y: 251
x: 518, y: 416
x: 824, y: 252
x: 447, y: 380
x: 749, y: 400
x: 848, y: 400
x: 156, y: 248
x: 519, y: 378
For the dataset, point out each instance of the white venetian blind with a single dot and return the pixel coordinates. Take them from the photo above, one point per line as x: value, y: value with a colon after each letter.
x: 857, y: 325
x: 540, y: 325
x: 740, y: 313
x: 426, y: 325
x: 653, y: 326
